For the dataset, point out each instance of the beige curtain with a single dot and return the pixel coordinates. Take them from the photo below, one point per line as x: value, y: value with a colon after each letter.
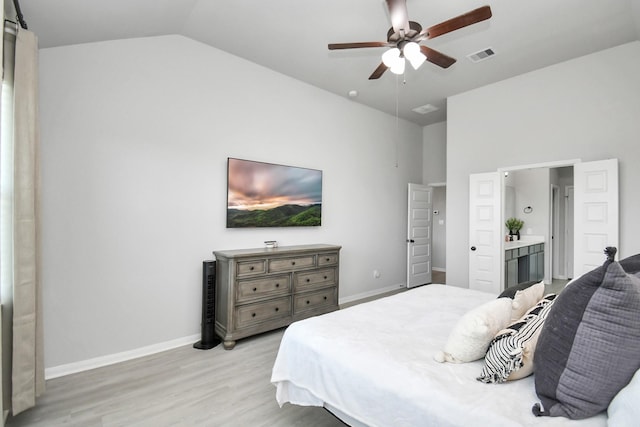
x: 27, y: 376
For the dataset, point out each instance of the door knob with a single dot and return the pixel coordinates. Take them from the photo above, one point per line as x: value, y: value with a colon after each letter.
x: 410, y: 241
x: 473, y: 248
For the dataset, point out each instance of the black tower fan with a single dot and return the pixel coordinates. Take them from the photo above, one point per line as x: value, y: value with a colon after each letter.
x: 209, y: 339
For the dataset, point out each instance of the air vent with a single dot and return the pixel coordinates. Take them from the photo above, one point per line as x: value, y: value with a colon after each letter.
x: 481, y: 55
x: 425, y: 109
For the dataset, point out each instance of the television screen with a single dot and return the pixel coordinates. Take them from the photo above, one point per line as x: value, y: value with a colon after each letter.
x: 269, y: 195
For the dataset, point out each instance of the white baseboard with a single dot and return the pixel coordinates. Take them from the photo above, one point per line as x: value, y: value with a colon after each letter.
x: 98, y: 362
x: 373, y: 293
x: 443, y: 270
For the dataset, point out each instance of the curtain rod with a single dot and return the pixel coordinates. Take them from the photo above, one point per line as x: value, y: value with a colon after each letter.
x: 23, y: 23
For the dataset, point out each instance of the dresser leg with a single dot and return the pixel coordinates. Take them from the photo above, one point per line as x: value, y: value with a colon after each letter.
x: 228, y: 345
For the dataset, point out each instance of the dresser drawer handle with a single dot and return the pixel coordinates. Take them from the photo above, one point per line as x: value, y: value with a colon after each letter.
x: 251, y: 268
x: 308, y: 302
x: 277, y: 285
x: 308, y: 280
x: 327, y: 259
x: 277, y: 309
x: 255, y: 289
x: 325, y: 277
x: 253, y: 315
x: 293, y: 263
x: 325, y: 297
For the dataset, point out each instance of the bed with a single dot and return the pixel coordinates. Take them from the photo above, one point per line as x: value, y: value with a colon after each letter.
x: 373, y: 365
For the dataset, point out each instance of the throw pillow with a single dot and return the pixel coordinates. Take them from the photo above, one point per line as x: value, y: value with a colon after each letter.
x: 524, y: 299
x: 510, y: 355
x: 624, y: 410
x: 510, y: 292
x: 470, y: 337
x: 589, y: 347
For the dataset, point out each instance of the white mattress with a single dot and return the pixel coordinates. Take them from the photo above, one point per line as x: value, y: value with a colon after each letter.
x: 373, y: 363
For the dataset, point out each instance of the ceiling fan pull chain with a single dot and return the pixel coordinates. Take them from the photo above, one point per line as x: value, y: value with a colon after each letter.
x: 397, y: 118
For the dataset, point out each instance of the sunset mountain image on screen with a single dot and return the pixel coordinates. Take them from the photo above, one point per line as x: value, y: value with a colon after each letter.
x: 270, y: 195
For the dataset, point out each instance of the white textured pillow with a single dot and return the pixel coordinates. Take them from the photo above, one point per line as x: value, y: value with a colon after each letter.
x: 525, y: 299
x: 471, y: 336
x: 624, y: 410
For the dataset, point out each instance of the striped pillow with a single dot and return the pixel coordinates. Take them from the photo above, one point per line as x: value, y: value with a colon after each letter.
x: 510, y: 355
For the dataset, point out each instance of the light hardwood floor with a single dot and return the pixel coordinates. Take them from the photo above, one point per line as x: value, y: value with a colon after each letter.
x: 179, y: 387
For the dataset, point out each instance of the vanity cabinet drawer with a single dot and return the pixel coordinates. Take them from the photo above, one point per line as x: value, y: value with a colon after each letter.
x: 250, y: 289
x: 327, y: 259
x: 251, y: 314
x: 246, y: 268
x: 524, y: 264
x: 314, y: 279
x: 314, y: 300
x: 289, y: 264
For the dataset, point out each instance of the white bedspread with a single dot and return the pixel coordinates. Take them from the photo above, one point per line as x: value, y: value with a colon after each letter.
x: 374, y: 363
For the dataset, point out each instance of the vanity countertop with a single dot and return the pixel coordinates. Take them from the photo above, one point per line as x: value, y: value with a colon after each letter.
x: 524, y: 241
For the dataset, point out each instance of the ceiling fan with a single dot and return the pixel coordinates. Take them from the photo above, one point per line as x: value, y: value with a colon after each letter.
x: 404, y: 37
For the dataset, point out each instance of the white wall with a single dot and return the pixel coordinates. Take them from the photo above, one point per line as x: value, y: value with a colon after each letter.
x: 585, y: 108
x: 531, y: 188
x: 434, y: 140
x: 434, y: 171
x: 135, y: 137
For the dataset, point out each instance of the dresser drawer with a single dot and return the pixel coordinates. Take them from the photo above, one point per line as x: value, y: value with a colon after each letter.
x: 251, y: 314
x: 309, y: 301
x: 246, y: 268
x: 313, y: 279
x: 289, y: 264
x: 248, y: 289
x: 327, y: 259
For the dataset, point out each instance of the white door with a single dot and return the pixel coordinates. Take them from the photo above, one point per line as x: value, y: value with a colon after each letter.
x: 485, y: 244
x: 419, y: 227
x: 596, y: 212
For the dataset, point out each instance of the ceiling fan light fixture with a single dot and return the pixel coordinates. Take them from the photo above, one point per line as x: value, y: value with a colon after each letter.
x: 394, y: 60
x: 391, y: 57
x: 412, y: 52
x: 398, y: 68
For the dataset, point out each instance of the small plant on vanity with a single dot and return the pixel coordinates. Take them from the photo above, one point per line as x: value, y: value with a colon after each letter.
x: 514, y: 225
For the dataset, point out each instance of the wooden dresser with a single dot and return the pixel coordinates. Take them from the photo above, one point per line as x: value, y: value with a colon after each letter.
x: 258, y: 290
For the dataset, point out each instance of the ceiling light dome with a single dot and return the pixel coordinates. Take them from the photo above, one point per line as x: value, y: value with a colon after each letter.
x: 391, y: 57
x: 412, y: 52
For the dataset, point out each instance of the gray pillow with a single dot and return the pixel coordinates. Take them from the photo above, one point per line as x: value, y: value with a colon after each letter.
x: 589, y: 346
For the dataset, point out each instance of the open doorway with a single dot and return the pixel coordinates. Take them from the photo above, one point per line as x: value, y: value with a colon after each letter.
x: 439, y: 259
x: 536, y: 196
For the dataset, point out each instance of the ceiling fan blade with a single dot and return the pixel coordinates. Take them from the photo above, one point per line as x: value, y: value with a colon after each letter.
x: 399, y: 15
x: 437, y: 58
x: 378, y: 71
x: 334, y: 46
x: 469, y: 18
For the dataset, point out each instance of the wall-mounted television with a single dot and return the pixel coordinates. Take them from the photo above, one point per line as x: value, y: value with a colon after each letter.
x: 270, y: 195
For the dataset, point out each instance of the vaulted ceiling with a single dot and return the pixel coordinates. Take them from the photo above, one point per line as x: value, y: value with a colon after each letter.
x: 291, y: 37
